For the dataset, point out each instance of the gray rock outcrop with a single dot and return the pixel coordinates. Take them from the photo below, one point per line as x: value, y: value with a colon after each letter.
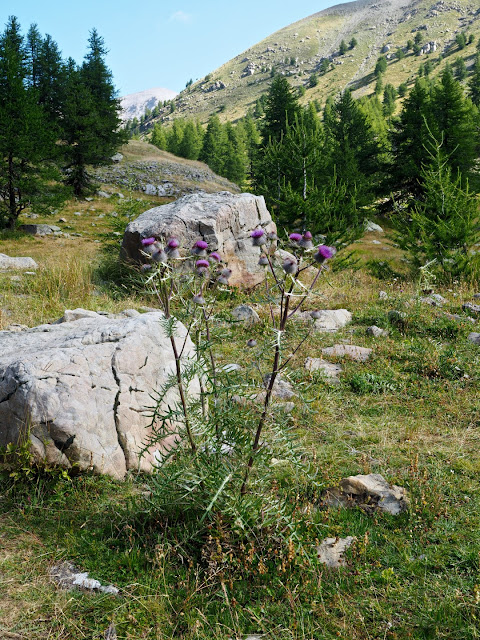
x: 81, y: 389
x: 40, y: 229
x: 360, y: 354
x: 224, y: 220
x: 371, y: 492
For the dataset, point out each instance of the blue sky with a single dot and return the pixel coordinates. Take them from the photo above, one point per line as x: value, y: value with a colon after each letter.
x: 162, y: 43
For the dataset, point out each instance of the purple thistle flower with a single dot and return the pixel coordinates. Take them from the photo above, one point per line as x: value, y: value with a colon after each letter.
x: 295, y: 237
x: 290, y: 265
x: 258, y: 237
x: 200, y: 248
x: 198, y: 299
x: 201, y: 267
x: 324, y: 253
x: 263, y: 260
x: 215, y: 257
x: 147, y: 241
x: 173, y: 243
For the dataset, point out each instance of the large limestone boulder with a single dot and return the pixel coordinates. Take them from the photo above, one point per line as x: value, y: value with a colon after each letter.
x: 224, y: 220
x: 80, y: 389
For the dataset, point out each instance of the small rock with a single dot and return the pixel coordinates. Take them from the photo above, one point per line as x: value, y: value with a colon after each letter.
x: 282, y: 389
x: 286, y: 407
x: 78, y: 213
x: 383, y: 295
x: 471, y: 308
x: 370, y: 492
x: 16, y: 328
x: 89, y: 199
x: 67, y: 577
x: 435, y: 300
x: 103, y: 194
x: 330, y: 551
x: 76, y: 314
x: 474, y: 337
x: 117, y: 157
x: 110, y: 633
x: 39, y: 229
x: 456, y: 316
x: 329, y: 320
x: 476, y: 296
x: 228, y: 368
x: 372, y: 227
x: 397, y: 318
x: 376, y: 332
x: 130, y: 313
x: 376, y: 242
x: 329, y: 369
x: 360, y: 354
x: 244, y: 313
x: 62, y: 220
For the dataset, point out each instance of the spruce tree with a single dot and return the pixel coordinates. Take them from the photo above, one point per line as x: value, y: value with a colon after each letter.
x: 280, y: 109
x: 26, y: 142
x: 474, y: 83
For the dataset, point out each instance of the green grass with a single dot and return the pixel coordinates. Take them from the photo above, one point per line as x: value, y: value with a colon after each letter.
x: 411, y: 413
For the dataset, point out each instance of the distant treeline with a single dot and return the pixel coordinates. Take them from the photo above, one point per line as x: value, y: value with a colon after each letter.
x: 56, y: 118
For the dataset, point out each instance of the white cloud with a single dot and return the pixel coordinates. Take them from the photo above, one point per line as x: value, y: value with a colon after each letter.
x: 180, y: 16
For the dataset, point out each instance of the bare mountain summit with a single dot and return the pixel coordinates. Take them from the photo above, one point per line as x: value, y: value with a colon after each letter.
x: 135, y: 104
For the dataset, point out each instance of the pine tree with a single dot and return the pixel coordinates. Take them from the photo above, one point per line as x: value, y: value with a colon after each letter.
x: 381, y: 66
x: 33, y: 45
x: 25, y: 139
x: 389, y: 95
x: 474, y: 83
x: 280, y: 109
x: 455, y: 122
x: 190, y: 144
x: 51, y: 80
x: 234, y: 167
x: 213, y: 147
x: 342, y: 50
x: 92, y: 125
x: 460, y: 69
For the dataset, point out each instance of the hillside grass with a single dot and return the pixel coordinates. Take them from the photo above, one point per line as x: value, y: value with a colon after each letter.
x: 411, y: 413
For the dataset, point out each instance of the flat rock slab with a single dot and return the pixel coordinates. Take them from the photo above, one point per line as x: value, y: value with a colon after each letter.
x: 329, y: 369
x: 331, y: 550
x: 7, y: 262
x: 81, y: 389
x: 224, y: 220
x: 328, y: 320
x: 40, y: 229
x: 360, y: 354
x: 244, y: 313
x: 474, y: 338
x: 376, y: 332
x: 370, y: 492
x: 473, y: 309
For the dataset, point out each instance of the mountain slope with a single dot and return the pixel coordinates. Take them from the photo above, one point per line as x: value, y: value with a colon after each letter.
x: 134, y: 105
x: 299, y: 49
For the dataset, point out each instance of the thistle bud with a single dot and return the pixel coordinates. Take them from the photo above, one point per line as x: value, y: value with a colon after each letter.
x: 201, y: 267
x: 147, y: 241
x: 214, y: 257
x: 251, y: 343
x: 172, y: 249
x: 306, y: 241
x: 198, y: 299
x: 272, y: 236
x: 263, y: 260
x: 224, y: 276
x: 289, y: 265
x: 160, y: 256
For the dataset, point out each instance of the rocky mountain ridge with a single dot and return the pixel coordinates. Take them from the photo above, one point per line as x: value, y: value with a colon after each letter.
x: 300, y: 49
x: 134, y: 105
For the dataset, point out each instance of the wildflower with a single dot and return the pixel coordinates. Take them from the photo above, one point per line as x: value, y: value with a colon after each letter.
x: 198, y: 299
x: 324, y: 253
x: 306, y: 240
x: 295, y: 237
x: 251, y: 343
x: 147, y: 241
x: 215, y: 256
x: 290, y: 265
x: 272, y: 236
x: 201, y: 267
x: 224, y: 276
x: 258, y: 237
x: 200, y: 248
x: 172, y: 249
x: 173, y: 243
x: 263, y: 260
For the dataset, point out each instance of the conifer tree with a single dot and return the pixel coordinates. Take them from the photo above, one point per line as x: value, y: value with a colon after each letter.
x: 158, y: 137
x: 474, y: 83
x: 212, y: 152
x: 190, y: 144
x: 25, y: 139
x: 280, y: 109
x: 234, y: 167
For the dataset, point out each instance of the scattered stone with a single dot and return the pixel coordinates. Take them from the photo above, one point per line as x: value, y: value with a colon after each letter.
x: 474, y: 337
x: 16, y: 328
x: 244, y: 313
x: 371, y: 227
x: 68, y: 577
x: 89, y: 199
x: 62, y: 220
x: 286, y: 407
x: 476, y: 296
x: 228, y: 368
x: 434, y: 300
x: 103, y: 194
x: 224, y: 220
x: 117, y: 157
x: 383, y: 295
x: 7, y: 262
x: 282, y: 389
x: 360, y: 354
x: 397, y: 318
x: 15, y: 279
x: 471, y: 308
x: 376, y: 332
x: 78, y: 213
x: 76, y: 314
x: 111, y: 632
x: 93, y: 378
x: 370, y: 492
x: 456, y: 316
x: 39, y: 229
x: 330, y: 551
x: 376, y: 242
x: 329, y: 370
x: 328, y: 320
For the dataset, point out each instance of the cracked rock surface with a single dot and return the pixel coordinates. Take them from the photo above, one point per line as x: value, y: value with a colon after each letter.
x: 224, y: 220
x: 81, y: 389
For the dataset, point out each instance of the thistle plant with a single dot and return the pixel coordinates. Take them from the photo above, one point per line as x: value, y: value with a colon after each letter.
x: 223, y: 434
